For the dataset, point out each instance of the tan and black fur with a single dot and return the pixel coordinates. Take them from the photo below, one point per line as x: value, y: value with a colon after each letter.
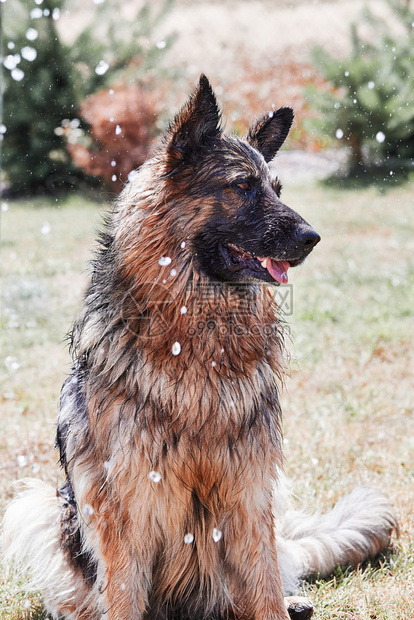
x: 178, y: 353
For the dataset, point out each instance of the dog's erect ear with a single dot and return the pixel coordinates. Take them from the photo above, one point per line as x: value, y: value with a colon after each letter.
x: 269, y: 133
x: 195, y: 126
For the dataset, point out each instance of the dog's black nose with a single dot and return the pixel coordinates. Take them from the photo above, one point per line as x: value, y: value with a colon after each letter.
x: 307, y: 237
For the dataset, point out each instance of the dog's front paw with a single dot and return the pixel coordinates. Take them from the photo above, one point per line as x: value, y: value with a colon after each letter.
x: 299, y: 608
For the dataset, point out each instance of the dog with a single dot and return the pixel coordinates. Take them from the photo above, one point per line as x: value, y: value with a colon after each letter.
x: 169, y: 427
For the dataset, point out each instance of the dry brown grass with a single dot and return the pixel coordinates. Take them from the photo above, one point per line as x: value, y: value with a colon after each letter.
x: 348, y: 404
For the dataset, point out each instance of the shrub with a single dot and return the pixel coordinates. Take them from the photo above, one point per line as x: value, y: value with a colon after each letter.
x: 122, y: 126
x: 46, y: 79
x: 369, y: 103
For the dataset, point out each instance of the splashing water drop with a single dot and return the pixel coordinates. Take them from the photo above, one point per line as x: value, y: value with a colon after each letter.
x: 36, y: 13
x: 155, y: 476
x: 164, y: 261
x: 29, y: 53
x: 183, y: 310
x: 176, y: 348
x: 217, y: 534
x: 21, y: 460
x: 88, y: 510
x: 133, y: 175
x: 32, y: 34
x: 101, y: 68
x: 188, y: 539
x: 118, y: 130
x: 17, y: 74
x: 45, y: 229
x: 11, y: 61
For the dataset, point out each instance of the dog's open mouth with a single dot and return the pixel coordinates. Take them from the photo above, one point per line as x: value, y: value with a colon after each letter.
x: 239, y: 259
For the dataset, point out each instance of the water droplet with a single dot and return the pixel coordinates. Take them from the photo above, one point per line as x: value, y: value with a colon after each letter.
x: 122, y: 586
x: 22, y: 460
x: 3, y: 128
x: 29, y: 53
x: 88, y: 510
x: 155, y: 476
x: 36, y: 13
x: 188, y: 539
x: 183, y: 310
x: 102, y: 67
x: 380, y: 137
x: 4, y: 206
x: 111, y: 91
x: 161, y: 45
x: 133, y: 175
x: 217, y: 534
x: 35, y: 468
x: 32, y: 34
x: 113, y: 163
x: 339, y: 134
x: 45, y: 229
x: 164, y: 261
x: 346, y: 74
x: 11, y: 363
x: 213, y: 364
x: 17, y: 74
x: 11, y: 61
x: 56, y: 13
x: 182, y: 245
x: 176, y: 348
x: 46, y: 12
x: 371, y: 85
x: 173, y: 272
x: 118, y: 130
x: 10, y: 45
x: 270, y: 114
x: 113, y: 178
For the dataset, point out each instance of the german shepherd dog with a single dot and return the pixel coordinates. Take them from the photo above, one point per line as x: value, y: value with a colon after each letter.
x: 169, y: 428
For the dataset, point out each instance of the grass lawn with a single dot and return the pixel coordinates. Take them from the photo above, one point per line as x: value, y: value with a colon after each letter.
x: 348, y: 403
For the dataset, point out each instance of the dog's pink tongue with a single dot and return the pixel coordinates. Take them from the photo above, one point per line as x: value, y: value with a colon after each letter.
x: 277, y: 269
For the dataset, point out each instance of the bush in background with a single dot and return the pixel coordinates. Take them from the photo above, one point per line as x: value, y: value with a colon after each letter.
x: 369, y: 102
x: 122, y: 127
x: 45, y: 80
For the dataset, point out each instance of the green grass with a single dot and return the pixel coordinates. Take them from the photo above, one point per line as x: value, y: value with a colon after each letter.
x: 348, y: 402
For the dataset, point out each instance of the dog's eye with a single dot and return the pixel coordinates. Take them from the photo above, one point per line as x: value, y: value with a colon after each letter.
x: 244, y: 185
